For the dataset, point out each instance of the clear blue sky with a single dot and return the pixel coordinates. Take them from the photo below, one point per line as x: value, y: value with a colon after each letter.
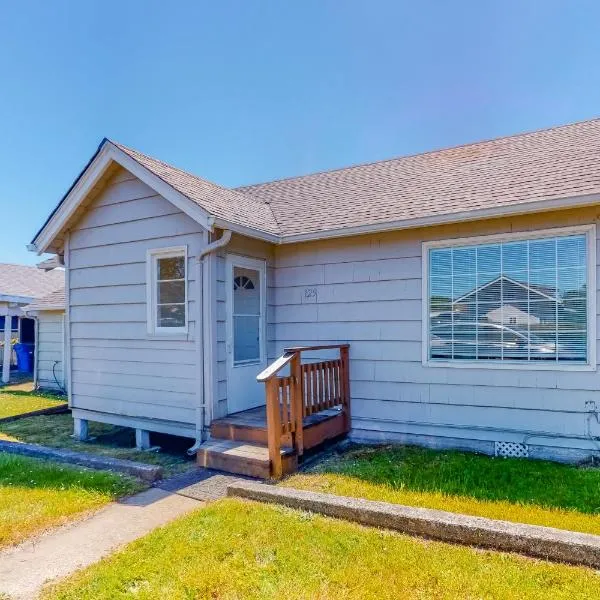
x: 245, y: 91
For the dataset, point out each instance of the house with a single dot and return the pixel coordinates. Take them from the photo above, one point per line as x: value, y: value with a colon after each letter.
x: 50, y: 341
x: 19, y: 286
x: 338, y: 292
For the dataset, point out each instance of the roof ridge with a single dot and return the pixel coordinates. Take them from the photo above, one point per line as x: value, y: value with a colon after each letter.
x: 418, y: 154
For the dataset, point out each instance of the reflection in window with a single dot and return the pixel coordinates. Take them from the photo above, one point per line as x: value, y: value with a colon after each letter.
x: 170, y: 292
x: 521, y: 300
x: 246, y: 315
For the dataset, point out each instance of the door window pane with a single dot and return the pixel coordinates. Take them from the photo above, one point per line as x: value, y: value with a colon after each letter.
x: 246, y: 338
x: 246, y: 315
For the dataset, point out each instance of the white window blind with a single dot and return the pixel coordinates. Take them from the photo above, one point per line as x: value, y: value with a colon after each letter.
x: 522, y: 300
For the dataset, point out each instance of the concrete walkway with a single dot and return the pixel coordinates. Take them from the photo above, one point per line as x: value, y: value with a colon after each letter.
x: 25, y: 568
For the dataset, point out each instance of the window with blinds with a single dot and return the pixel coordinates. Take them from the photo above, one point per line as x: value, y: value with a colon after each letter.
x: 521, y: 300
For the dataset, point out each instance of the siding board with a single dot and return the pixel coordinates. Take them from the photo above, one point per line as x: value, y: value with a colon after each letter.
x: 367, y: 291
x: 116, y: 366
x: 50, y: 350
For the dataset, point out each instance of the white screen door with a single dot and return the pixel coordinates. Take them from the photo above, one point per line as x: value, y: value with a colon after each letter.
x: 246, y: 355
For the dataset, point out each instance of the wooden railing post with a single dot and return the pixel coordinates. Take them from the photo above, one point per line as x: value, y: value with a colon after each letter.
x: 345, y: 377
x: 298, y: 402
x: 274, y: 427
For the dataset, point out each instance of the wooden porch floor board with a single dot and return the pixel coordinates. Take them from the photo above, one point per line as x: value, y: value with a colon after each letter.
x: 257, y: 417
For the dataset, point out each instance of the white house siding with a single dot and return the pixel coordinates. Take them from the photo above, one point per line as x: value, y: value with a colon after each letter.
x: 367, y: 290
x: 117, y: 368
x: 252, y: 248
x: 50, y: 368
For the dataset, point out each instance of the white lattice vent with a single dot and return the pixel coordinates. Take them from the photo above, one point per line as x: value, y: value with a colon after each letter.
x: 512, y: 449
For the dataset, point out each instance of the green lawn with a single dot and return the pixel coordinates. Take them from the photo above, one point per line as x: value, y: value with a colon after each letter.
x: 36, y: 494
x: 526, y: 491
x: 15, y: 401
x: 234, y: 549
x: 119, y: 442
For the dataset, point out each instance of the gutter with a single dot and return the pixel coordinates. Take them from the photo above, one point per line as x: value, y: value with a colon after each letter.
x: 204, y: 335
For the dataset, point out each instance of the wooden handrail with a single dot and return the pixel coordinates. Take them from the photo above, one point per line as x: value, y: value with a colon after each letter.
x: 309, y: 388
x: 311, y: 348
x: 276, y: 366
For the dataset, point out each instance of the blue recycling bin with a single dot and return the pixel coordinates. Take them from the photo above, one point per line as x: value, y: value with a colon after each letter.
x: 24, y: 354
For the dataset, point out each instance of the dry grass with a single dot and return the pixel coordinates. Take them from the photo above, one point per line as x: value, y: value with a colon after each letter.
x: 235, y: 549
x: 534, y: 492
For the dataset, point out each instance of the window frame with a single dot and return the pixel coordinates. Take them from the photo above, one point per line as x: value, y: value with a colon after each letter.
x: 590, y: 365
x: 152, y: 257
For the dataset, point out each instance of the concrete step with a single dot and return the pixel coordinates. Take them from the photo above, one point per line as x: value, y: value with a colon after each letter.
x: 242, y: 458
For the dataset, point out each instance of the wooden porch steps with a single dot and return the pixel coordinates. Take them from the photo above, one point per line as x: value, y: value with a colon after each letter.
x: 302, y: 410
x: 243, y: 458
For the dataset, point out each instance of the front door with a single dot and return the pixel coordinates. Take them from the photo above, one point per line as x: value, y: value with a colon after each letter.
x: 246, y: 319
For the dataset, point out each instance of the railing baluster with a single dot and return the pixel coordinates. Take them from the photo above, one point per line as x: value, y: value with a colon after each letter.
x: 325, y: 399
x: 274, y: 427
x: 298, y: 402
x: 345, y: 380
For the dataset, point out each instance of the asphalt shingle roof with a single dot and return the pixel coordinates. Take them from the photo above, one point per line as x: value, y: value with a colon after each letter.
x: 551, y: 164
x: 29, y: 282
x: 554, y: 163
x: 221, y: 202
x: 54, y: 300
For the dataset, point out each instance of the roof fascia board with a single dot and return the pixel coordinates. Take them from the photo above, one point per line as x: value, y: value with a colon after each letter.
x: 108, y: 154
x: 16, y: 299
x: 45, y: 307
x: 247, y: 231
x: 447, y: 219
x: 69, y: 204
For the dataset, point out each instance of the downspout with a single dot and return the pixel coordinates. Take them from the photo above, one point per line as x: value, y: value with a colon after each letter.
x: 206, y: 351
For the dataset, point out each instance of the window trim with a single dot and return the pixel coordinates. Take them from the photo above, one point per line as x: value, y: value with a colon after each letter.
x: 590, y: 233
x: 152, y: 257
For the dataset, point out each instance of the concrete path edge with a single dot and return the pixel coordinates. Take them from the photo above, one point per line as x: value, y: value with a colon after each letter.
x: 146, y: 472
x: 556, y: 545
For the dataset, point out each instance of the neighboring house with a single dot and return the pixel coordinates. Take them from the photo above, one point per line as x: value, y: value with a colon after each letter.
x: 179, y: 292
x: 19, y: 286
x: 50, y: 342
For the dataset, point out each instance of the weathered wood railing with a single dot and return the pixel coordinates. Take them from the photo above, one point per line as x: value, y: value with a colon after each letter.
x: 309, y: 388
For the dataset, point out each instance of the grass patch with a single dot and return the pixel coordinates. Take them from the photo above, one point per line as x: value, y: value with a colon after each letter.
x: 15, y: 401
x: 36, y: 494
x: 109, y: 440
x: 235, y: 549
x: 526, y: 491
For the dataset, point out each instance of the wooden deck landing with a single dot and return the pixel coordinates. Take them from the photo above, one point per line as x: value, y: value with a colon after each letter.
x: 257, y: 417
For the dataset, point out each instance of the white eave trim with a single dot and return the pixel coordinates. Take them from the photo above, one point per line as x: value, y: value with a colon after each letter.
x: 108, y: 154
x: 247, y: 231
x: 45, y: 308
x: 446, y: 219
x: 16, y: 299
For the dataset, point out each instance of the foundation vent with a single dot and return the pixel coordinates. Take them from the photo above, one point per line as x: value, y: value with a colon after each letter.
x: 511, y: 449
